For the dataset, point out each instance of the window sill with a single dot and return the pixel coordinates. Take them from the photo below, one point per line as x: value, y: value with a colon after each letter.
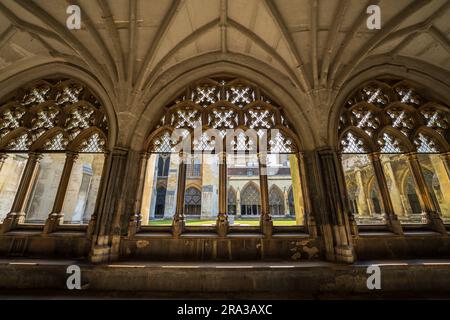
x: 291, y: 235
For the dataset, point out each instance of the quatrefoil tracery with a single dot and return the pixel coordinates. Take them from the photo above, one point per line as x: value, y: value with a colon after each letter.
x: 224, y: 104
x: 401, y: 110
x: 40, y: 108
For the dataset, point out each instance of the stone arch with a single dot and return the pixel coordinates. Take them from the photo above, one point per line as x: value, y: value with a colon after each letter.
x: 192, y: 201
x: 276, y: 201
x: 437, y: 85
x: 59, y: 70
x: 176, y: 78
x: 250, y: 199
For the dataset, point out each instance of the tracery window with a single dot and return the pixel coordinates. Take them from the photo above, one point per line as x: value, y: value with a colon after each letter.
x: 250, y: 200
x: 392, y: 133
x: 192, y: 202
x: 50, y: 130
x: 276, y: 201
x: 233, y: 117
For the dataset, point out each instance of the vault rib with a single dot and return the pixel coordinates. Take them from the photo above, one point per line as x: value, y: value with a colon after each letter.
x: 288, y: 38
x: 166, y: 23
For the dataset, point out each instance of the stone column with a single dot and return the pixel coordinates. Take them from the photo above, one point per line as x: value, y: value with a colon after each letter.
x: 136, y: 216
x: 222, y: 217
x: 344, y: 194
x: 395, y: 192
x: 434, y: 220
x: 56, y: 217
x: 287, y: 211
x: 334, y: 191
x: 17, y: 214
x: 100, y: 196
x: 178, y: 222
x: 266, y: 222
x: 308, y: 218
x: 238, y: 202
x: 390, y: 216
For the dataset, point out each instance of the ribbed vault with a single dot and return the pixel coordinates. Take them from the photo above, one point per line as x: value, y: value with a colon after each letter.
x: 315, y: 46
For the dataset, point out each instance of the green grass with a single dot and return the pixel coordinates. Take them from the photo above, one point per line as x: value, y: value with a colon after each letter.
x: 209, y: 222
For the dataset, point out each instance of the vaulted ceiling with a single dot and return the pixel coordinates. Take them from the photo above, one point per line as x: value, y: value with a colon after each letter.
x: 314, y: 43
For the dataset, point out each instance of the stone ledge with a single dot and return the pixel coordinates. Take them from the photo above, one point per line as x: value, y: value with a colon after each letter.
x: 417, y: 277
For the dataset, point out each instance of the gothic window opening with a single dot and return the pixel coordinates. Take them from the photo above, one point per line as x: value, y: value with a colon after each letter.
x: 163, y: 165
x: 276, y: 201
x: 57, y: 130
x: 160, y: 187
x: 232, y: 116
x: 192, y: 202
x: 390, y: 125
x: 375, y: 197
x: 250, y: 200
x: 413, y: 199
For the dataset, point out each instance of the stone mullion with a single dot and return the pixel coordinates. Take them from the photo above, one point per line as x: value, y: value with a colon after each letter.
x: 136, y: 217
x: 266, y: 220
x: 390, y: 216
x: 344, y: 195
x: 17, y: 214
x: 222, y: 218
x: 178, y: 222
x: 309, y: 219
x: 434, y: 220
x: 100, y: 197
x: 56, y: 217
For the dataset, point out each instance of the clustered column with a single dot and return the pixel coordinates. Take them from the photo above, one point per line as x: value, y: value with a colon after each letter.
x: 136, y: 218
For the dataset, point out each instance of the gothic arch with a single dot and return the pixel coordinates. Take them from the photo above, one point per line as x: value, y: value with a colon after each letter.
x: 250, y: 194
x: 437, y: 88
x: 276, y: 201
x: 394, y: 115
x: 53, y: 70
x: 178, y: 77
x: 192, y: 201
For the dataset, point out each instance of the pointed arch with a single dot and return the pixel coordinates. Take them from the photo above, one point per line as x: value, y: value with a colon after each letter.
x: 276, y: 201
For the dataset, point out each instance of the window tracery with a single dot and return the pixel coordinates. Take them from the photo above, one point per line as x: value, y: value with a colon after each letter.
x: 222, y: 104
x: 224, y: 114
x: 399, y: 107
x: 393, y: 118
x: 56, y: 119
x: 61, y: 104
